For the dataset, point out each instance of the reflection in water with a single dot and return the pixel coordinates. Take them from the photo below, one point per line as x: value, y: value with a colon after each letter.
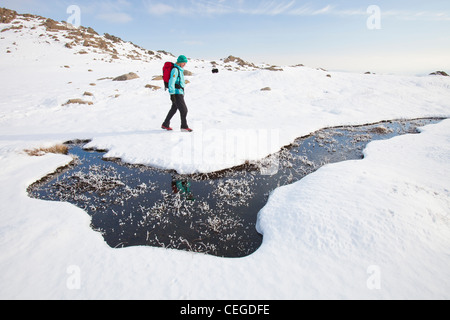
x: 182, y: 186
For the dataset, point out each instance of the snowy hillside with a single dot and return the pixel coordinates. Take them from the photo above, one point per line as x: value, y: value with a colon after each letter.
x: 321, y: 235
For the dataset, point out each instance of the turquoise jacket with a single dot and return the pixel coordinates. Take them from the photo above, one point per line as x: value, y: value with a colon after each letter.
x: 177, y: 78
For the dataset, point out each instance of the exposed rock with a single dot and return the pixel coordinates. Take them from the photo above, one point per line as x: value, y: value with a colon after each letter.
x: 245, y: 64
x: 112, y: 38
x: 13, y: 28
x: 239, y: 61
x: 91, y: 31
x: 75, y: 37
x: 166, y: 53
x: 154, y: 88
x: 77, y: 101
x: 7, y: 16
x: 126, y: 77
x: 53, y: 25
x: 439, y: 73
x: 266, y: 89
x: 273, y: 68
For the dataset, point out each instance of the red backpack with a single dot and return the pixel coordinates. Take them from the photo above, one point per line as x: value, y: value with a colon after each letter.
x: 167, y: 71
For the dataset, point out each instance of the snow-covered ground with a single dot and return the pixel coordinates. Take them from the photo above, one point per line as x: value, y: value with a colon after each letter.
x: 378, y: 228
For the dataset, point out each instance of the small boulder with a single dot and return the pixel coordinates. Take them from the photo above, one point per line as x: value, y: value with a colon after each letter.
x: 126, y: 77
x: 77, y: 101
x: 154, y: 88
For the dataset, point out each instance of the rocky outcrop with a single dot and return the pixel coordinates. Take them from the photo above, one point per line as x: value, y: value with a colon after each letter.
x: 439, y: 73
x: 239, y: 62
x: 7, y: 16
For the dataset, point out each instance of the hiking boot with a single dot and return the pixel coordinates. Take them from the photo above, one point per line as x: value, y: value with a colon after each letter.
x: 166, y: 128
x: 187, y: 130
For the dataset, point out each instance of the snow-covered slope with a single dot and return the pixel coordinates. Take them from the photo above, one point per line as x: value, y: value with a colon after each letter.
x: 44, y: 69
x: 387, y: 213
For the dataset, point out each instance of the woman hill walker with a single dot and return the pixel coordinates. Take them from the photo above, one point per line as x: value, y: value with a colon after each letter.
x: 176, y: 90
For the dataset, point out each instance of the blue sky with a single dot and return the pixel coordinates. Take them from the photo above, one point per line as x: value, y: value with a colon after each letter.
x: 410, y: 36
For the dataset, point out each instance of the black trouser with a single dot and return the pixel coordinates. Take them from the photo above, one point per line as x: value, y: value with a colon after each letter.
x: 178, y: 104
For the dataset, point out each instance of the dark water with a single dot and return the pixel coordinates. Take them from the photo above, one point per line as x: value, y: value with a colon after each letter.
x: 134, y: 205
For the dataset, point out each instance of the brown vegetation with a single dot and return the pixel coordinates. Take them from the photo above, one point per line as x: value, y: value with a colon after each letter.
x: 57, y: 149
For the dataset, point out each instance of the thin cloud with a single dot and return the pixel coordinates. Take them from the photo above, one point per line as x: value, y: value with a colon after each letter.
x: 422, y: 15
x: 222, y: 7
x: 159, y: 9
x: 115, y: 17
x: 113, y: 11
x: 193, y: 43
x: 275, y: 8
x: 270, y: 8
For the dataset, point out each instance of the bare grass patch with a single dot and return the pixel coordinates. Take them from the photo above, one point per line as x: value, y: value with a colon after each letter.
x: 57, y: 149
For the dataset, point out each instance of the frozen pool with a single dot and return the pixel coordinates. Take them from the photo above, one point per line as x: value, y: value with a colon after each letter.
x: 216, y: 213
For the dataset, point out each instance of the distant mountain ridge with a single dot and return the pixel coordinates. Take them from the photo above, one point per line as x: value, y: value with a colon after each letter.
x: 85, y: 40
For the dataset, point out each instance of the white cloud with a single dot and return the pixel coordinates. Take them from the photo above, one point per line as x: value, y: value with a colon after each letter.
x: 113, y: 11
x: 159, y: 8
x: 193, y: 43
x: 115, y: 17
x: 270, y: 8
